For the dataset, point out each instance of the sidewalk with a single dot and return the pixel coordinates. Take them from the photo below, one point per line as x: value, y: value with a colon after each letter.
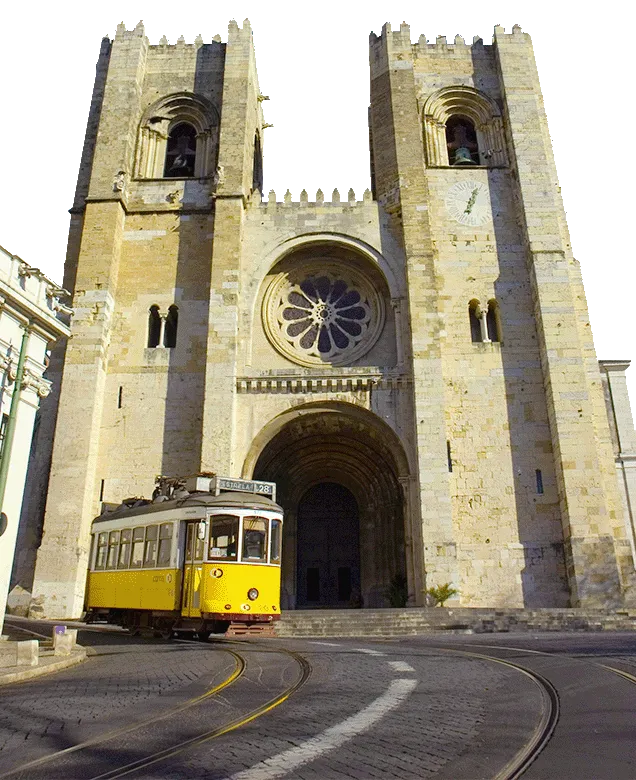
x: 25, y: 654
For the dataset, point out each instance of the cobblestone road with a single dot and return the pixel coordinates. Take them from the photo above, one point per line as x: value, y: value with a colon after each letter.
x: 395, y: 709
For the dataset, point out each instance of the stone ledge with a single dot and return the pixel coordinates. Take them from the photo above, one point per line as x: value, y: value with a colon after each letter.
x: 47, y: 665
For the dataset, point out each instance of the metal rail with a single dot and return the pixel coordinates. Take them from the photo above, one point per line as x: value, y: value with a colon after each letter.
x: 174, y: 750
x: 238, y: 670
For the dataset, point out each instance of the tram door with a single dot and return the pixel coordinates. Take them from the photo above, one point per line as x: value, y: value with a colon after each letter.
x: 193, y: 564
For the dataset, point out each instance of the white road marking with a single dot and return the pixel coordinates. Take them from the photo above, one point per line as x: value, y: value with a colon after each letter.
x: 325, y: 644
x: 332, y: 738
x: 368, y: 652
x: 401, y: 666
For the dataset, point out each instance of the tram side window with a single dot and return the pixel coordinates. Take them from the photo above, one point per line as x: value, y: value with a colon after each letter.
x: 137, y: 556
x: 255, y: 539
x: 224, y: 537
x: 275, y: 551
x: 124, y: 549
x: 102, y: 550
x: 150, y: 550
x: 113, y: 549
x: 165, y: 544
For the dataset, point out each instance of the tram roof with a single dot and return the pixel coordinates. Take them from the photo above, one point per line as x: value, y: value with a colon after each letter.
x: 231, y: 500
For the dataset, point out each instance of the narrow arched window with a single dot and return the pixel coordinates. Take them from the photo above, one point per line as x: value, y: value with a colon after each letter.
x: 170, y: 333
x: 475, y: 324
x: 493, y: 322
x: 461, y: 141
x: 181, y: 151
x: 154, y: 326
x: 257, y: 174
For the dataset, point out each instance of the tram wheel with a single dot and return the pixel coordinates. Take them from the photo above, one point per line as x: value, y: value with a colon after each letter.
x: 203, y: 636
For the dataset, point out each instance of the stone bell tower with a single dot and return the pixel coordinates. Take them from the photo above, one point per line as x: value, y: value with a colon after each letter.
x: 171, y: 156
x: 516, y: 477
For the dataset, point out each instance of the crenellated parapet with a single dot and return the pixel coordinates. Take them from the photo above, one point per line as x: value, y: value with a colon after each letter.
x: 335, y: 203
x: 234, y: 33
x: 401, y: 39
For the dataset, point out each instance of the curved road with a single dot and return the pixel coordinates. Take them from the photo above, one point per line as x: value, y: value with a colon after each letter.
x: 450, y: 707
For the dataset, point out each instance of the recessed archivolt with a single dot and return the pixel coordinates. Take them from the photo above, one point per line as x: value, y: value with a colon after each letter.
x: 340, y: 420
x: 159, y: 119
x: 476, y: 106
x: 465, y: 101
x: 321, y: 242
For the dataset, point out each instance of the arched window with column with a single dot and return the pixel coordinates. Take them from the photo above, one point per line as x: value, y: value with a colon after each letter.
x: 463, y: 126
x: 257, y: 172
x: 493, y: 321
x: 154, y: 326
x: 474, y: 319
x: 178, y: 138
x: 170, y: 332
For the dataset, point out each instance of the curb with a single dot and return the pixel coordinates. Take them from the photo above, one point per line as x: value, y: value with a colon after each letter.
x: 77, y: 657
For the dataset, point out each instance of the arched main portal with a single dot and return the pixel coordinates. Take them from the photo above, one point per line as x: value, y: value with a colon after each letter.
x: 335, y: 467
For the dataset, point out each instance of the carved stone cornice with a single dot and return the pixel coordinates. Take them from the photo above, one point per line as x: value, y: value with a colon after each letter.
x: 325, y: 383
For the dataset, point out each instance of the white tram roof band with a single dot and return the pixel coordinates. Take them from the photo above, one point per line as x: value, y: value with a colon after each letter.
x: 243, y: 501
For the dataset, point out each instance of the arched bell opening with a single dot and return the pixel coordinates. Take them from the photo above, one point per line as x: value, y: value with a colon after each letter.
x: 338, y: 480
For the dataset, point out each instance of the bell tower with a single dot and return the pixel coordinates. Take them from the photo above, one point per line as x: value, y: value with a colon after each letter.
x: 172, y: 143
x: 514, y: 460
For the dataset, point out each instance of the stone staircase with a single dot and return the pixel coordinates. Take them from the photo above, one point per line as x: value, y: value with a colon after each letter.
x: 428, y: 620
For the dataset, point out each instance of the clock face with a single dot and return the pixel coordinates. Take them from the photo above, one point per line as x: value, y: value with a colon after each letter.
x: 467, y: 202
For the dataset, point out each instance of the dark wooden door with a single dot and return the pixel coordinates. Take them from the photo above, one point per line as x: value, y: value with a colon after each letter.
x: 328, y: 545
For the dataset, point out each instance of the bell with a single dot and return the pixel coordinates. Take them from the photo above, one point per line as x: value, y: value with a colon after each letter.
x: 462, y: 156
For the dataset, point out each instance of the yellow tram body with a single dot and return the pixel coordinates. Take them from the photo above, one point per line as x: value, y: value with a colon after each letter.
x: 201, y: 562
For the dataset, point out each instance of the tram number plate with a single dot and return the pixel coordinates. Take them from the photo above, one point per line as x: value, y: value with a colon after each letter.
x: 245, y: 485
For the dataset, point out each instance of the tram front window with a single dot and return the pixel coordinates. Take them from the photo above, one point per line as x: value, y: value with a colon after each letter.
x: 224, y: 537
x: 255, y: 539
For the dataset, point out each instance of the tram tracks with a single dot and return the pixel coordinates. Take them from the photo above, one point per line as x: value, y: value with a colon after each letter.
x: 47, y: 763
x: 543, y: 730
x: 550, y: 707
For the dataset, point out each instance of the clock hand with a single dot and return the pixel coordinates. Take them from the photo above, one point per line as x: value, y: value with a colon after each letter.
x: 471, y: 201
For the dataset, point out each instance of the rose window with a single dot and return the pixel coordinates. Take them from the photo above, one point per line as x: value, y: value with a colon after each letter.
x: 326, y: 317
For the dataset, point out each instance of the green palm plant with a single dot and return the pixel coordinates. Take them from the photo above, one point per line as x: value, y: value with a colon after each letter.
x: 441, y: 593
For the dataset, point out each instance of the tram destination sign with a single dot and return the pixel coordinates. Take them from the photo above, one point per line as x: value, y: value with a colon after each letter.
x: 244, y: 486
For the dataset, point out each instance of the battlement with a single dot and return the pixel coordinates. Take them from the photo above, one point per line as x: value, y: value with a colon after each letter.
x: 401, y: 39
x: 319, y: 202
x: 234, y: 26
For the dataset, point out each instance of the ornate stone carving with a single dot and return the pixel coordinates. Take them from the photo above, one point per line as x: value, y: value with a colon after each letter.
x: 119, y: 182
x: 323, y: 314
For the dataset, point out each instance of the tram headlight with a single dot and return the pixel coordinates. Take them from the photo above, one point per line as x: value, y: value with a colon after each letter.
x: 252, y: 594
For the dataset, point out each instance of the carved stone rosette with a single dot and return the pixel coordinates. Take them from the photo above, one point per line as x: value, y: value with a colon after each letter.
x: 323, y: 314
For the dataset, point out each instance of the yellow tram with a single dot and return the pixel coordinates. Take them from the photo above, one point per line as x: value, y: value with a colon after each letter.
x: 203, y: 555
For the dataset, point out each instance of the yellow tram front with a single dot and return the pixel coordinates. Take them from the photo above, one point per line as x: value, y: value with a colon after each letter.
x: 232, y: 564
x: 193, y: 561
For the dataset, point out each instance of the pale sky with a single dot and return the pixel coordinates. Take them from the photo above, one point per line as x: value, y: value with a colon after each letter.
x: 312, y: 61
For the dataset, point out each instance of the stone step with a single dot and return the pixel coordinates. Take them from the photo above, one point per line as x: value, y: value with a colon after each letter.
x: 400, y: 622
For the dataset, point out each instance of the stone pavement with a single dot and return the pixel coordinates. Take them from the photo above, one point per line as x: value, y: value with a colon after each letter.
x: 461, y: 716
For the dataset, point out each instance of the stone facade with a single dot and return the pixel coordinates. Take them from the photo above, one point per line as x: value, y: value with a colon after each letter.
x: 32, y: 318
x: 426, y: 346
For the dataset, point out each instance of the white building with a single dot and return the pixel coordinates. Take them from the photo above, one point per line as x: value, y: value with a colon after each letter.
x: 32, y: 317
